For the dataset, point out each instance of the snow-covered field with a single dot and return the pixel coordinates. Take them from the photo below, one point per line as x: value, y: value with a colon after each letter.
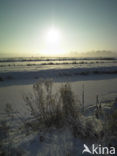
x: 39, y: 64
x: 103, y: 86
x: 97, y: 76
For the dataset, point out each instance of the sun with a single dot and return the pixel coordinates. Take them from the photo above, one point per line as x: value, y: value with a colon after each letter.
x: 53, y: 42
x: 53, y: 36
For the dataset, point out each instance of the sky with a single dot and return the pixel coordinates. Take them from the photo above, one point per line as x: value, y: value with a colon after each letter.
x: 77, y: 25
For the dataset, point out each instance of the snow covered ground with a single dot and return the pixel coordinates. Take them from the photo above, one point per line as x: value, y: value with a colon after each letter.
x: 98, y: 80
x: 11, y: 91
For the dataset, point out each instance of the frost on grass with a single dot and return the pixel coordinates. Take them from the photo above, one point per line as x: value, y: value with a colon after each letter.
x: 59, y: 110
x: 52, y: 109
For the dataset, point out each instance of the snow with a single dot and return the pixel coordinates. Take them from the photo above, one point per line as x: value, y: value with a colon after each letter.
x: 105, y: 88
x: 98, y: 80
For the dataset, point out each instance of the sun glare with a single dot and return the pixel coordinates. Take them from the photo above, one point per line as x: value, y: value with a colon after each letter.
x: 53, y: 36
x: 53, y: 42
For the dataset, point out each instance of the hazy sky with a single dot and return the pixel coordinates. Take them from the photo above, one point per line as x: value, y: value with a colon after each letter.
x: 83, y: 25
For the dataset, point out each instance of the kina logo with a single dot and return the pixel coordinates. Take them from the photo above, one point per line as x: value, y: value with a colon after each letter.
x: 98, y: 149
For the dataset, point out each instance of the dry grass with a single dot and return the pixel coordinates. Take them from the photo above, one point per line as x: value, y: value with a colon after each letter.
x: 52, y: 109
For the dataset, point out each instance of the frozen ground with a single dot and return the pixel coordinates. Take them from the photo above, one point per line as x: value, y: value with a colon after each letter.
x: 12, y: 91
x: 98, y: 80
x: 36, y: 64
